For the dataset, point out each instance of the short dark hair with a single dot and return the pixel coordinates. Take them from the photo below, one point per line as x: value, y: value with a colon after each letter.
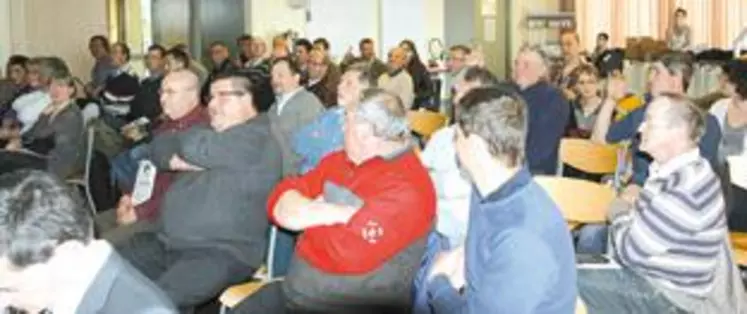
x: 737, y: 75
x: 245, y: 37
x: 480, y: 75
x: 293, y: 66
x: 38, y: 212
x: 679, y: 63
x: 179, y: 55
x: 102, y: 39
x: 14, y: 60
x: 604, y: 36
x: 218, y: 43
x: 464, y: 49
x: 497, y: 115
x: 365, y: 41
x: 322, y: 41
x: 303, y: 42
x: 125, y: 49
x: 156, y: 47
x: 240, y: 83
x: 680, y: 11
x: 365, y: 76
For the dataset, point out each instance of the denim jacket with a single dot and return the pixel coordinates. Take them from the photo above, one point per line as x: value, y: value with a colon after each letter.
x: 319, y: 138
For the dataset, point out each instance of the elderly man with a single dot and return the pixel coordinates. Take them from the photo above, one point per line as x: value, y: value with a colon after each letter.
x: 146, y: 102
x: 671, y: 237
x: 457, y: 63
x: 220, y: 57
x: 397, y: 80
x: 180, y: 101
x: 49, y: 261
x: 365, y: 212
x: 212, y: 229
x: 321, y: 82
x: 294, y: 108
x: 547, y: 111
x: 518, y: 257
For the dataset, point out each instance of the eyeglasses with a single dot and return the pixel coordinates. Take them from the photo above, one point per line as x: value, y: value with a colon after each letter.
x: 225, y: 94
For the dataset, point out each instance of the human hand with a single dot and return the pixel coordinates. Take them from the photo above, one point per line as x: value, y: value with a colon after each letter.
x: 451, y: 265
x: 126, y: 211
x: 630, y: 193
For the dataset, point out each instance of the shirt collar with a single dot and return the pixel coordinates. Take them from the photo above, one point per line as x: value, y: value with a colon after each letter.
x: 657, y: 170
x: 520, y: 179
x: 90, y: 264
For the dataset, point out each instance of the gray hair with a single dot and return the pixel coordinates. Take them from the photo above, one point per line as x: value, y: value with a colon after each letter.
x: 544, y: 57
x: 683, y: 112
x: 385, y: 113
x: 51, y: 67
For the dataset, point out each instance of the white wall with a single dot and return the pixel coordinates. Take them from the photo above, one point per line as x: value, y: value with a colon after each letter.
x: 344, y: 22
x: 5, y: 40
x: 60, y: 28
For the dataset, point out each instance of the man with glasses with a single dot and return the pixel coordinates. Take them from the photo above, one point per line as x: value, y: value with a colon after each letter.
x: 212, y: 225
x: 321, y: 82
x: 182, y: 109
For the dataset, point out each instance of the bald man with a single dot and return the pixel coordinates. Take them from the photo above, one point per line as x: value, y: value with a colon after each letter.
x: 321, y: 81
x: 180, y: 101
x: 396, y: 79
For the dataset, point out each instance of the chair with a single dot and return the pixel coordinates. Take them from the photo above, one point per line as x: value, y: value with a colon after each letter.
x: 236, y: 293
x: 425, y: 123
x: 588, y: 156
x: 580, y: 201
x: 84, y: 182
x: 739, y: 245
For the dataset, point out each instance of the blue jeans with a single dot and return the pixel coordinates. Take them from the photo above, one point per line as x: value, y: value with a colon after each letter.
x: 125, y: 165
x: 592, y: 239
x: 613, y: 291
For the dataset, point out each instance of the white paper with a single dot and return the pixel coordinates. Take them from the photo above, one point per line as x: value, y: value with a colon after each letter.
x: 144, y: 182
x: 738, y: 170
x: 489, y: 30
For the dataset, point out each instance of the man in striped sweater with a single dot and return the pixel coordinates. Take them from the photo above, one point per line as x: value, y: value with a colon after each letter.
x: 671, y: 238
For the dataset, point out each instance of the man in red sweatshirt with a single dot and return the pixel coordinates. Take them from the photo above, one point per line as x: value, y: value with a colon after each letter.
x: 365, y: 213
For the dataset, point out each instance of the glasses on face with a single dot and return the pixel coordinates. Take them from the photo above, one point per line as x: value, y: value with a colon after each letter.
x: 316, y: 64
x: 226, y: 94
x: 587, y: 82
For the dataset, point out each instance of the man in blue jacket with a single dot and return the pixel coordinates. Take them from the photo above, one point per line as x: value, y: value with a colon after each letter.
x: 518, y: 256
x: 547, y: 110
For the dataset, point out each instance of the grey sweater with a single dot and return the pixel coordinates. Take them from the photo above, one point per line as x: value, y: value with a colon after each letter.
x: 301, y: 109
x: 61, y: 139
x: 224, y: 205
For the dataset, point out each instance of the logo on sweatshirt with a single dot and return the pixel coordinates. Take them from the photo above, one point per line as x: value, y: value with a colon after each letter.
x: 372, y: 232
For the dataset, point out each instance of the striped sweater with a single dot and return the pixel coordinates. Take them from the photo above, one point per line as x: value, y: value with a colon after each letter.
x: 677, y: 227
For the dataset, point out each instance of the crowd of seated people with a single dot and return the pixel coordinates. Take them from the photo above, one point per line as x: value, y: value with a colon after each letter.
x: 202, y: 162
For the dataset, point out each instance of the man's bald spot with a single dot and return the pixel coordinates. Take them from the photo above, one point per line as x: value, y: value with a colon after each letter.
x: 184, y: 79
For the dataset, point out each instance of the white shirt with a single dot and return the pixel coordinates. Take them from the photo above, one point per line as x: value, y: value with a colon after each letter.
x: 453, y: 190
x: 81, y: 273
x: 29, y: 107
x: 401, y: 85
x: 284, y: 98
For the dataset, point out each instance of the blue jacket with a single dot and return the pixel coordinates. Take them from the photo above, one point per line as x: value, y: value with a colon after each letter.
x: 549, y: 114
x: 436, y: 243
x: 519, y: 257
x: 627, y: 129
x: 319, y: 138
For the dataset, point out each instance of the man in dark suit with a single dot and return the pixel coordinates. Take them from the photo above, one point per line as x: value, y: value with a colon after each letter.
x: 49, y: 260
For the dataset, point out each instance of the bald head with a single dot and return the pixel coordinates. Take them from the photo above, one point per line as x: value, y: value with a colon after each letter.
x: 180, y: 94
x: 397, y: 58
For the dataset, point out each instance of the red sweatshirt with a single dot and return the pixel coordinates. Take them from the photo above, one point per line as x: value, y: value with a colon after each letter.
x: 399, y: 208
x: 150, y: 209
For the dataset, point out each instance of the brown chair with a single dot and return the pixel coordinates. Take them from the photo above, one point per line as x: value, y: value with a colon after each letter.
x: 425, y: 123
x: 588, y: 156
x: 580, y: 201
x: 232, y: 296
x: 739, y: 245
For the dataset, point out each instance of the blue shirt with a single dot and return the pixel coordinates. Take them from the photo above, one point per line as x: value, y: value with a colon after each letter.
x: 518, y: 256
x: 549, y: 114
x: 627, y: 129
x: 319, y: 138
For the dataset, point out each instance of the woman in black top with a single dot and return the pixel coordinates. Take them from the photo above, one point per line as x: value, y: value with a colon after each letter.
x: 421, y: 79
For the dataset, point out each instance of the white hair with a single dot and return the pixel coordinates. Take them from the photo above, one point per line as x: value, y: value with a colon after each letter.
x: 385, y: 113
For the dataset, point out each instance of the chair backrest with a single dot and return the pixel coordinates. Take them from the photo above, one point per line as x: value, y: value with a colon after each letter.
x: 580, y: 200
x: 588, y: 156
x: 90, y: 140
x: 425, y: 123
